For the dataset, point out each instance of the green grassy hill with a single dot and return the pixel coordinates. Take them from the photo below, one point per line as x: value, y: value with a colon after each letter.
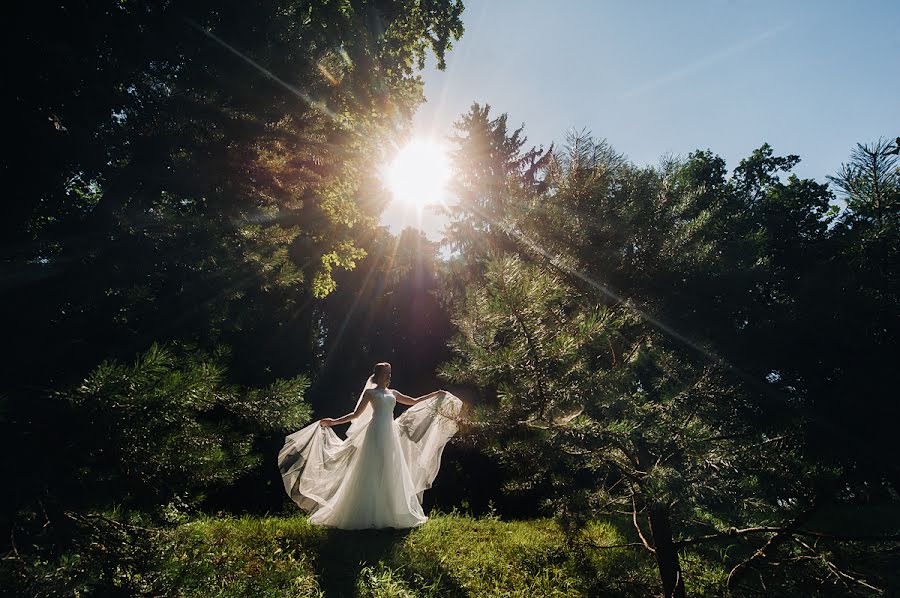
x: 452, y: 555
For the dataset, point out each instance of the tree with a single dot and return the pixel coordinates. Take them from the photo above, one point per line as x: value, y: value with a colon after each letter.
x: 187, y: 174
x: 493, y: 175
x: 870, y: 181
x: 205, y: 167
x: 647, y: 339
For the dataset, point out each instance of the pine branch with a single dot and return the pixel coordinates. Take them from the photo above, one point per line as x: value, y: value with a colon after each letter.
x: 837, y: 571
x: 736, y: 533
x: 637, y: 526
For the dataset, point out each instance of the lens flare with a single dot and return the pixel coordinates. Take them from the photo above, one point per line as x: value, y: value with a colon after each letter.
x: 419, y: 174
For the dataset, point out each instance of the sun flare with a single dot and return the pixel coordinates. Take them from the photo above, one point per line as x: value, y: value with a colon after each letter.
x: 419, y: 173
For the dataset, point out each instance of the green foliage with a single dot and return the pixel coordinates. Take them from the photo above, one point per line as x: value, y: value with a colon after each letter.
x: 452, y: 555
x: 644, y: 332
x: 493, y: 175
x: 870, y: 182
x: 702, y: 350
x: 170, y: 426
x: 207, y: 168
x: 191, y: 174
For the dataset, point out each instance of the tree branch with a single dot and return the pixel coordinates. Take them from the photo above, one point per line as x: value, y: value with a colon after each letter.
x: 637, y: 526
x: 86, y: 517
x: 734, y: 533
x: 761, y: 552
x: 835, y: 570
x: 628, y: 545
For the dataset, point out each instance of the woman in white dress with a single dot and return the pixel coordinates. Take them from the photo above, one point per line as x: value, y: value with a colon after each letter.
x: 376, y: 477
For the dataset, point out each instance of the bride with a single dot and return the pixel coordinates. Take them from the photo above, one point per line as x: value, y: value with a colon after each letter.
x: 376, y: 477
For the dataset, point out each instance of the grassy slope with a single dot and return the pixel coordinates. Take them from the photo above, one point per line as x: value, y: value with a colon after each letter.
x: 452, y: 555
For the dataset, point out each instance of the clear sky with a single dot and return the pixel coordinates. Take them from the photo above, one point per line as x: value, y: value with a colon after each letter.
x: 657, y: 78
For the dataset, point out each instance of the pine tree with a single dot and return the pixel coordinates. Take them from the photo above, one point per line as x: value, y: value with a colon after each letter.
x: 693, y: 401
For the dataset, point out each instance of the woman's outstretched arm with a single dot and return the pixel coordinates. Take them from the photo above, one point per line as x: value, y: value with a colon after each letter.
x: 405, y: 400
x: 350, y: 416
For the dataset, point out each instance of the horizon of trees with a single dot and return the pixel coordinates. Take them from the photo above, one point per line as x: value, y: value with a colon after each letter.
x: 682, y: 343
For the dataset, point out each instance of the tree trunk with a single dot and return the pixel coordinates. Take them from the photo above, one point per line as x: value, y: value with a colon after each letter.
x: 666, y: 552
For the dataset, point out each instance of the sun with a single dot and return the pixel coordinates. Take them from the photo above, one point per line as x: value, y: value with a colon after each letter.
x: 419, y: 173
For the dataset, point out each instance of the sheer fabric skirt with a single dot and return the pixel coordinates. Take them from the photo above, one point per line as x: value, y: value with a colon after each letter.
x: 376, y: 477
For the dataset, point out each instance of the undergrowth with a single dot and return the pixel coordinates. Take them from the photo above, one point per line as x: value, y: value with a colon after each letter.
x: 451, y: 555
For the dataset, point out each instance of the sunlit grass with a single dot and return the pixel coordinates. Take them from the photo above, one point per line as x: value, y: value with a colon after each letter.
x: 451, y: 555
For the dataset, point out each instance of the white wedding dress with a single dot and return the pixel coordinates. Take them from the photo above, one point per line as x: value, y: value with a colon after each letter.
x: 376, y: 477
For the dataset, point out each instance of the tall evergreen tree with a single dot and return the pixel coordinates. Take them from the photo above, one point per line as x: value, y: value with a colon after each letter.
x: 649, y: 337
x: 496, y: 171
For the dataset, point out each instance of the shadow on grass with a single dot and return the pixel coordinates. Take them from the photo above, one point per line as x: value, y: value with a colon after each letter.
x: 341, y: 557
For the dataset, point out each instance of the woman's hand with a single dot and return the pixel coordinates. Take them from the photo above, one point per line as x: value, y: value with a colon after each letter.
x: 326, y: 423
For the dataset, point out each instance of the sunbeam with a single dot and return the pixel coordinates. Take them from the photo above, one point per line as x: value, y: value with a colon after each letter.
x: 557, y: 263
x: 365, y: 290
x: 320, y: 106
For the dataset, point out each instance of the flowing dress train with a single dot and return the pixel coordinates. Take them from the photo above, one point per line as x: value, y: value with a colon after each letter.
x: 376, y: 477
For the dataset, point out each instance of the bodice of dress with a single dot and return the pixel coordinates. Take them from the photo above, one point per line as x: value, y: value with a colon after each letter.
x: 383, y: 402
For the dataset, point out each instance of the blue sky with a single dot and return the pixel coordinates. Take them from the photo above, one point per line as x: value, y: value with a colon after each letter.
x: 664, y: 78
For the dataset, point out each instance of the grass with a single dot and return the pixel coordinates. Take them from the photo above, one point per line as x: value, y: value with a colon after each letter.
x: 451, y: 555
